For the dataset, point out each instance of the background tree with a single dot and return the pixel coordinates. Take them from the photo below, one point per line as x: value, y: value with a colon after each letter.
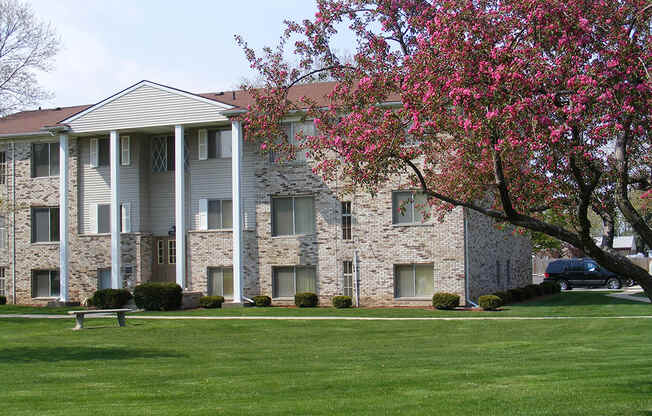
x: 26, y: 47
x: 542, y: 104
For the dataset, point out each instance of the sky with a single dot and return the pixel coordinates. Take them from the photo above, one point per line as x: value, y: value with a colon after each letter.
x: 110, y: 45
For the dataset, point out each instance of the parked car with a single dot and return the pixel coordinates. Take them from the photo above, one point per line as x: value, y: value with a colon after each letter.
x: 582, y: 272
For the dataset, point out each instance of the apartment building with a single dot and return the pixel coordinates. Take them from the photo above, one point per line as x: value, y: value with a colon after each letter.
x: 157, y: 184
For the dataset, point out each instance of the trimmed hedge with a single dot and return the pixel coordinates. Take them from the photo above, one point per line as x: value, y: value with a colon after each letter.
x: 490, y: 302
x: 550, y: 287
x: 262, y: 300
x: 536, y: 289
x: 504, y: 296
x: 518, y: 294
x: 443, y: 300
x: 341, y: 302
x: 3, y: 300
x: 306, y: 300
x: 110, y: 298
x: 211, y: 302
x: 158, y: 296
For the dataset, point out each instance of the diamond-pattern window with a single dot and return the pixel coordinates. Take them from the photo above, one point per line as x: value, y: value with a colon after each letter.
x: 159, y: 154
x: 163, y: 154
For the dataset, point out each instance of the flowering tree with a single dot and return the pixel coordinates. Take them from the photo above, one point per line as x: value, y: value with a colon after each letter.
x: 542, y: 104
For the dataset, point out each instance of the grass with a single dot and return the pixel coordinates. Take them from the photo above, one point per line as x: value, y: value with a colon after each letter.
x: 551, y: 367
x: 575, y: 303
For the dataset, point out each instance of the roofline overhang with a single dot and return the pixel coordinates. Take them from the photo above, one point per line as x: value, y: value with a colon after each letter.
x: 21, y: 135
x: 137, y: 85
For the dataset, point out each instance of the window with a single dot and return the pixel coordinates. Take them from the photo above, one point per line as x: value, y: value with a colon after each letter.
x: 291, y: 130
x: 215, y: 214
x: 288, y: 281
x: 45, y: 224
x: 347, y: 278
x: 101, y: 218
x: 3, y: 167
x: 3, y: 232
x: 160, y: 252
x: 103, y: 279
x: 346, y: 220
x: 45, y: 159
x: 590, y: 266
x: 293, y: 215
x: 3, y: 289
x: 45, y: 283
x: 220, y: 282
x: 213, y: 144
x: 172, y: 252
x: 408, y: 207
x: 413, y: 280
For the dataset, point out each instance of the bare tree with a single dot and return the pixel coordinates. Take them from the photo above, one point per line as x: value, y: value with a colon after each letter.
x: 27, y: 46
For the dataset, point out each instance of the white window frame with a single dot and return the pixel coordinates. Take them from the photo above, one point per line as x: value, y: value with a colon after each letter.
x: 33, y: 167
x: 50, y: 295
x: 3, y: 231
x: 348, y: 216
x: 294, y: 279
x: 347, y: 278
x: 412, y: 207
x: 221, y: 272
x: 3, y: 282
x: 50, y: 240
x: 221, y: 143
x: 125, y: 217
x: 160, y: 252
x: 204, y: 205
x: 294, y: 222
x: 125, y: 150
x: 172, y: 252
x: 414, y: 280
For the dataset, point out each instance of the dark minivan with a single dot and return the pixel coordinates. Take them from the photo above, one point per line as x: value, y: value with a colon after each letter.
x: 581, y: 272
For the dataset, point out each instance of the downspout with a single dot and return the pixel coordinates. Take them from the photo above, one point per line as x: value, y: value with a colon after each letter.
x: 13, y: 220
x: 466, y: 259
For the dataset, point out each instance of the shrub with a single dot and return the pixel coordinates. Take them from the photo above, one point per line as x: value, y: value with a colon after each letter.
x: 158, y: 296
x: 110, y: 298
x: 490, y: 302
x: 444, y: 300
x: 536, y: 290
x: 211, y: 302
x: 262, y: 300
x: 506, y: 297
x: 517, y: 294
x: 551, y: 287
x: 306, y: 300
x: 342, y: 302
x: 3, y: 300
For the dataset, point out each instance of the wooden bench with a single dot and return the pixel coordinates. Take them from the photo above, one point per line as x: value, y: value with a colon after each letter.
x: 79, y: 316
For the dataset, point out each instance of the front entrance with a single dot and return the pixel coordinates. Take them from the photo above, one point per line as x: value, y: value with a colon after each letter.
x: 165, y: 260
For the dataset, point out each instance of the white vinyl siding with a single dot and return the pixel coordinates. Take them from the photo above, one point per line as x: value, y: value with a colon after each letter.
x: 148, y: 106
x: 211, y: 179
x: 95, y: 187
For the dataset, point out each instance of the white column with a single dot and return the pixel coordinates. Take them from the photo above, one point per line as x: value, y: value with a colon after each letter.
x: 116, y: 280
x: 64, y: 168
x: 236, y: 165
x: 179, y: 204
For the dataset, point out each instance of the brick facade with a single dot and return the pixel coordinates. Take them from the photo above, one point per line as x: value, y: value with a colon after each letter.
x: 380, y: 245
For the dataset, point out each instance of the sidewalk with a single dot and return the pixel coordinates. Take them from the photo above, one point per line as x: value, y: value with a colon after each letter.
x: 627, y: 294
x: 329, y: 318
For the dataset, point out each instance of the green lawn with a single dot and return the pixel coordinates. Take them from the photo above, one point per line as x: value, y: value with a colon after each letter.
x: 549, y: 367
x: 575, y: 303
